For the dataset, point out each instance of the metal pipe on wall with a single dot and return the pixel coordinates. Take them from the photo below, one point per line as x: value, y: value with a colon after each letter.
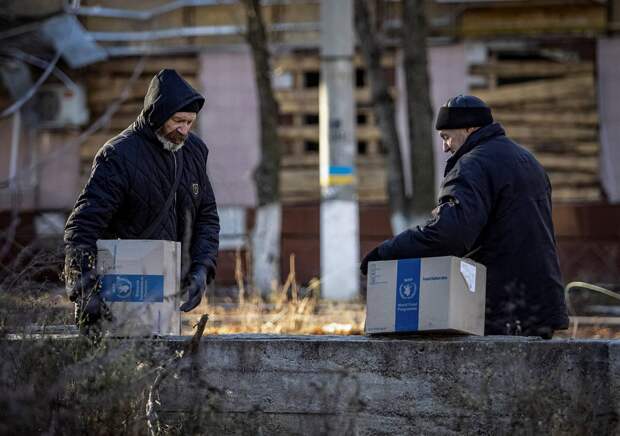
x: 194, y: 31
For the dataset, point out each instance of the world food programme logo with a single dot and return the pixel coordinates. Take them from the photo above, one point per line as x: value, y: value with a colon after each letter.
x: 122, y: 287
x: 407, y: 289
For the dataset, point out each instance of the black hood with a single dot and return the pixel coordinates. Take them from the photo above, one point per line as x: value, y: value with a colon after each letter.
x: 167, y: 94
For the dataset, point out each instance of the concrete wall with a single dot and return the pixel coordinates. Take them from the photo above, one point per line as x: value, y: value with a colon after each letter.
x: 289, y: 385
x: 310, y: 385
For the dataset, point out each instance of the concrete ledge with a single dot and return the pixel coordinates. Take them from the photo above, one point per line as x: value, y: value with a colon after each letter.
x: 263, y: 384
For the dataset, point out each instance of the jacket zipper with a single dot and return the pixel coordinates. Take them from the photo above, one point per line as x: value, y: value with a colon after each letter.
x: 174, y: 201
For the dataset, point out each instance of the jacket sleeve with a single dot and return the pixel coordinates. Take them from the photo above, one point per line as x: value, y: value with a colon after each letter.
x: 465, y: 203
x: 206, y: 233
x: 101, y: 198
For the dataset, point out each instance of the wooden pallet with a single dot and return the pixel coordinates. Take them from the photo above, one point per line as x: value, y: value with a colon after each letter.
x: 548, y: 106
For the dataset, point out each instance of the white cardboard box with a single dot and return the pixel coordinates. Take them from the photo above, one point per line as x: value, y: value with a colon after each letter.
x: 426, y: 295
x: 140, y: 284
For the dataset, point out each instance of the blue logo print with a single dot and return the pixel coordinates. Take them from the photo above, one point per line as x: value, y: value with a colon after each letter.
x: 407, y: 289
x: 133, y: 288
x: 407, y: 295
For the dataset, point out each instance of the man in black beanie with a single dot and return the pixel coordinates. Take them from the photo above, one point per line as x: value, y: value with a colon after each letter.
x: 148, y: 182
x: 494, y: 207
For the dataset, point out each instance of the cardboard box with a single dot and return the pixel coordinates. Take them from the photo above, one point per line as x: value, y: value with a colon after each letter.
x: 141, y: 283
x: 426, y: 295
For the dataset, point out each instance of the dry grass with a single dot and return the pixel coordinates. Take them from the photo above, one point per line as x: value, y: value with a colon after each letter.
x: 289, y: 309
x: 294, y: 310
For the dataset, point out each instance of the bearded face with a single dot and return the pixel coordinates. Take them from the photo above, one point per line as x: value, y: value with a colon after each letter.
x: 175, y: 131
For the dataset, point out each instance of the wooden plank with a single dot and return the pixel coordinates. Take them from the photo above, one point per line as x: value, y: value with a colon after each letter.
x: 531, y: 134
x: 132, y: 106
x: 100, y: 95
x: 121, y: 122
x: 106, y: 82
x: 299, y: 12
x: 307, y: 100
x: 94, y: 142
x: 574, y: 179
x: 298, y: 95
x: 365, y: 196
x: 302, y: 184
x: 556, y: 162
x: 290, y: 198
x: 104, y: 24
x: 515, y: 69
x: 103, y: 97
x: 589, y: 118
x: 312, y: 62
x: 187, y: 65
x: 301, y: 160
x: 311, y: 133
x: 588, y: 148
x: 576, y: 194
x: 372, y: 181
x: 563, y: 148
x: 574, y: 102
x: 312, y: 160
x: 289, y: 105
x: 311, y: 95
x: 538, y: 90
x: 221, y: 15
x: 533, y: 20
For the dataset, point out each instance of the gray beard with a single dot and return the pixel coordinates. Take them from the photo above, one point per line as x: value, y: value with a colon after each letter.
x: 169, y: 145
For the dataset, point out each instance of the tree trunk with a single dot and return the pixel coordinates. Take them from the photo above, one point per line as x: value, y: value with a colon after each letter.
x: 267, y: 230
x: 384, y: 109
x: 419, y: 109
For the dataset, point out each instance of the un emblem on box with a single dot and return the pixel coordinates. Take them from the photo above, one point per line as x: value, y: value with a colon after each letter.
x: 426, y: 295
x: 141, y: 283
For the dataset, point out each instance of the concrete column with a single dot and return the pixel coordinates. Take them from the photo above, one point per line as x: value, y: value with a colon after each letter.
x: 339, y: 209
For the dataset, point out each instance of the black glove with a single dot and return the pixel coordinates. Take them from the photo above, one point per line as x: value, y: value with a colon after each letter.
x: 195, y: 284
x: 90, y: 310
x: 373, y: 255
x: 82, y: 285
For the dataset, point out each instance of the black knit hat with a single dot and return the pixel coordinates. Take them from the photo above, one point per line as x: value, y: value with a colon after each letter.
x: 463, y: 111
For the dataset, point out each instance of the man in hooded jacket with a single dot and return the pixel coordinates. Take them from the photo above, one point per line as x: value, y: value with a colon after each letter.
x: 494, y: 207
x: 133, y: 175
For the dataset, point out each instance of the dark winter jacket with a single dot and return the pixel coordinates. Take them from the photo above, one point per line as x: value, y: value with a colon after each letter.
x: 495, y: 206
x: 133, y: 174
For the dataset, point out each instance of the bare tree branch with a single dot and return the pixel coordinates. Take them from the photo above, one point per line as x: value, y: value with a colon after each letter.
x: 268, y: 171
x: 383, y: 106
x: 28, y: 95
x: 419, y: 109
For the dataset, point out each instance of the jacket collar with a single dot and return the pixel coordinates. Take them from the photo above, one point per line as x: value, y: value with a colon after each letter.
x: 481, y: 135
x: 142, y: 127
